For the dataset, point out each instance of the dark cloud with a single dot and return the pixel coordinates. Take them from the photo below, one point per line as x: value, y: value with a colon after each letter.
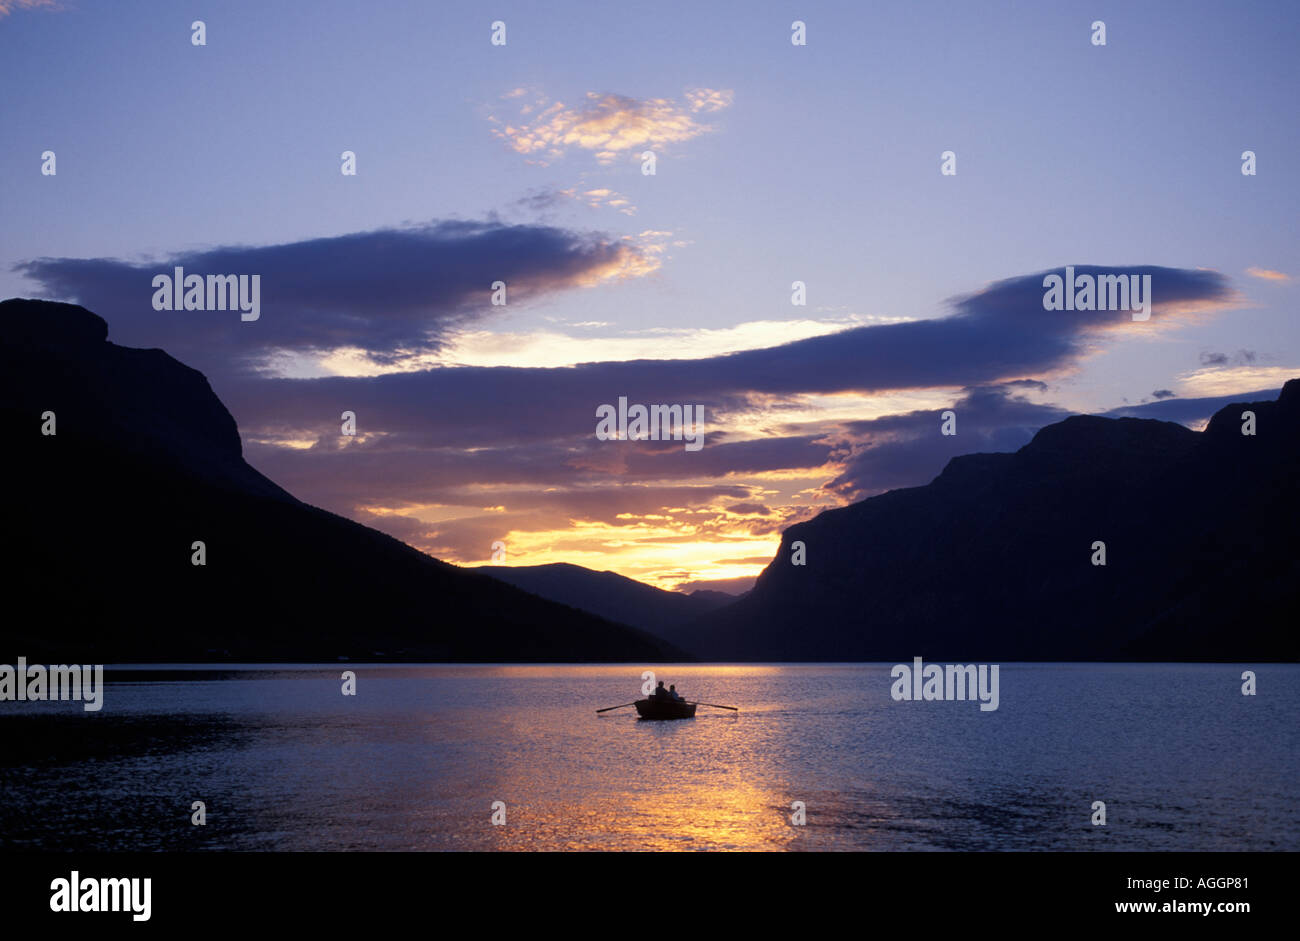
x: 753, y: 456
x: 996, y: 335
x: 385, y: 292
x: 411, y: 474
x: 910, y: 449
x: 395, y: 290
x: 1240, y: 358
x: 1189, y: 411
x: 540, y: 201
x: 1164, y: 393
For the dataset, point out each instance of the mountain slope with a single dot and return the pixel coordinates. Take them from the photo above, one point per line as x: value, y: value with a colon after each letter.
x: 992, y: 560
x: 666, y: 614
x: 146, y: 460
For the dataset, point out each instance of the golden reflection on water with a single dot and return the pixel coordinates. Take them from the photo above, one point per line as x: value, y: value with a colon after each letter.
x: 620, y: 783
x: 731, y: 816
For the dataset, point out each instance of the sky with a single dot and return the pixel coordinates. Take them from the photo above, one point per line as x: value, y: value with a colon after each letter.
x: 774, y: 163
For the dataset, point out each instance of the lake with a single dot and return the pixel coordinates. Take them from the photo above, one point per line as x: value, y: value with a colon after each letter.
x: 417, y: 758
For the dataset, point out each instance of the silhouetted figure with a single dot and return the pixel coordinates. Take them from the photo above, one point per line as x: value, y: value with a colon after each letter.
x: 661, y: 694
x: 672, y: 692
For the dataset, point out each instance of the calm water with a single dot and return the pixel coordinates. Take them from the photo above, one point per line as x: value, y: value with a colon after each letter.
x: 283, y: 761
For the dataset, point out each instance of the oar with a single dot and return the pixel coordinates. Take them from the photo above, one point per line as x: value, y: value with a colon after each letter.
x: 716, y: 706
x: 607, y: 708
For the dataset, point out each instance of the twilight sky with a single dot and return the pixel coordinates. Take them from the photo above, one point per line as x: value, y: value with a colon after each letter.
x: 775, y: 163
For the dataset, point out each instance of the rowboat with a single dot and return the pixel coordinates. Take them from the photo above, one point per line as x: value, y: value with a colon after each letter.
x: 664, y: 709
x: 653, y: 708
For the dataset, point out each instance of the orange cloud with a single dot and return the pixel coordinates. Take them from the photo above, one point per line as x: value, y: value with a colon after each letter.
x: 1267, y: 274
x: 710, y: 99
x: 609, y: 125
x: 601, y: 197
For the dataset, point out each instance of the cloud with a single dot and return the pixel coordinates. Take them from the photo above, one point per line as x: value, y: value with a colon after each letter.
x: 1192, y: 412
x: 542, y: 200
x: 386, y: 293
x: 607, y: 125
x: 1164, y: 394
x: 8, y: 6
x: 1241, y: 358
x: 998, y: 335
x: 603, y: 197
x: 710, y: 99
x: 1173, y: 290
x: 909, y: 449
x: 598, y: 517
x: 596, y: 198
x: 390, y: 292
x: 667, y: 459
x: 1267, y: 274
x: 1215, y: 381
x: 550, y: 347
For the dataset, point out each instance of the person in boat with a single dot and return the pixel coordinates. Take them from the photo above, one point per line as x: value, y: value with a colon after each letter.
x: 661, y: 694
x: 676, y: 696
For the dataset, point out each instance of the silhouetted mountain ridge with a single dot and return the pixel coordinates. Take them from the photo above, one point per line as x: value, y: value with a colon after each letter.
x: 666, y: 614
x: 146, y: 460
x: 992, y: 559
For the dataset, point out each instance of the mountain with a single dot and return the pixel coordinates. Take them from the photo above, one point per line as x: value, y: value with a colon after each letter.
x: 666, y: 614
x: 993, y: 559
x: 145, y: 461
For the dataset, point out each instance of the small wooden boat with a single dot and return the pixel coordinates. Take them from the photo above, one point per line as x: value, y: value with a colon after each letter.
x: 664, y: 709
